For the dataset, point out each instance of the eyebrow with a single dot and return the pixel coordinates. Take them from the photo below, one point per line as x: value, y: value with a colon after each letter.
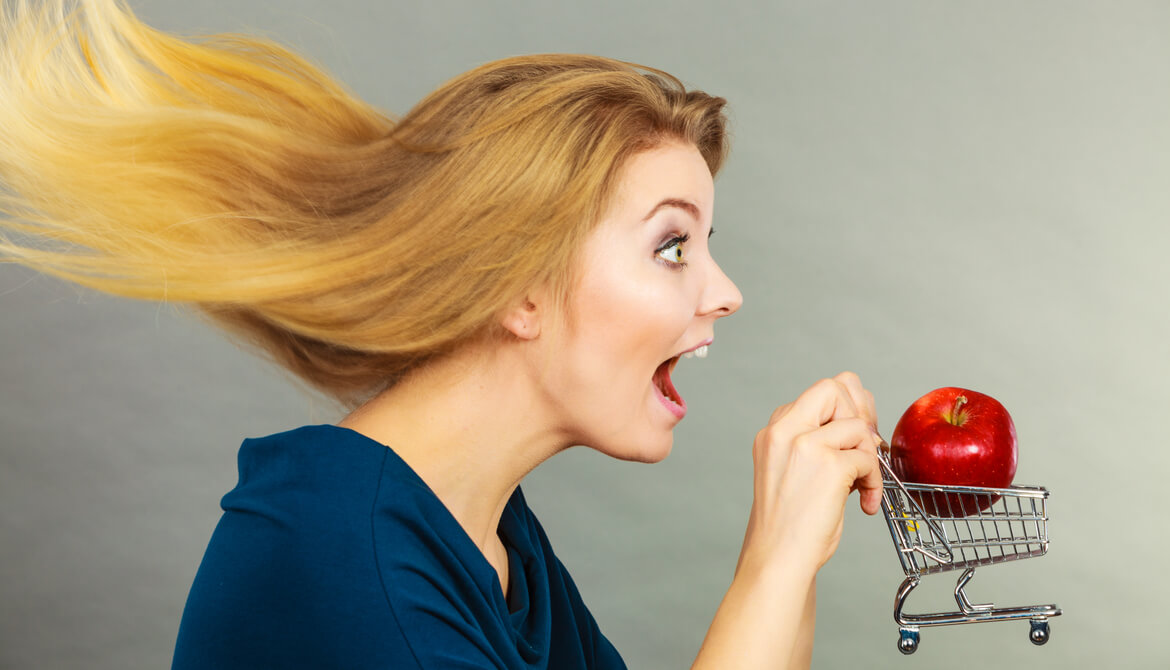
x: 689, y: 207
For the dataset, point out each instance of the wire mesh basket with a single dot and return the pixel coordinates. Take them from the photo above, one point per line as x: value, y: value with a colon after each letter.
x: 944, y: 528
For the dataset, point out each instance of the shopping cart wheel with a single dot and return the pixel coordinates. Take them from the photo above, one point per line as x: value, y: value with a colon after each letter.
x: 907, y: 640
x: 1039, y: 633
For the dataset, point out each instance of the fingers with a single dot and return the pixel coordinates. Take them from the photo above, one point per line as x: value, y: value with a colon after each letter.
x: 861, y: 397
x: 839, y: 413
x: 842, y: 396
x: 841, y: 434
x: 813, y: 453
x: 869, y: 482
x: 829, y: 400
x: 821, y: 403
x: 867, y: 479
x: 852, y: 445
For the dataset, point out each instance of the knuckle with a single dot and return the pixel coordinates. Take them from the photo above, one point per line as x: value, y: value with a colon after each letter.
x: 826, y: 384
x: 858, y: 427
x: 804, y: 443
x: 761, y: 439
x: 848, y: 378
x: 779, y: 413
x: 841, y: 387
x: 765, y: 438
x: 824, y: 389
x: 774, y: 434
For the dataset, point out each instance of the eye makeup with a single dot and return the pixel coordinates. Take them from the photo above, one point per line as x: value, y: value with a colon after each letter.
x: 671, y: 251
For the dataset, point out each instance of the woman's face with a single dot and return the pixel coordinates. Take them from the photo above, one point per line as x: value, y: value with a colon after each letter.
x: 647, y: 292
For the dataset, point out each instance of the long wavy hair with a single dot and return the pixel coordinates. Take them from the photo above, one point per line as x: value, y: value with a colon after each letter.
x: 230, y: 174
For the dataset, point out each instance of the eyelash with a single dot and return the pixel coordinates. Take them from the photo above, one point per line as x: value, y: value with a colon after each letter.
x: 674, y: 242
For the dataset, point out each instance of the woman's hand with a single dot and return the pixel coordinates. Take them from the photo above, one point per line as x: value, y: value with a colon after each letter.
x: 811, y: 455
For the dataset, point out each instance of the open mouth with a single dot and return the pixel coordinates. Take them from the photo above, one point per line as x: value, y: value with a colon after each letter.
x: 664, y: 387
x: 666, y: 391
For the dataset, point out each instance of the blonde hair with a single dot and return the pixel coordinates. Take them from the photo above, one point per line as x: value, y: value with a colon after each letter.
x: 230, y: 174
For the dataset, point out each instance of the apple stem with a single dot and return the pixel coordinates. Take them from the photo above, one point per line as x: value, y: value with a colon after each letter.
x: 956, y: 418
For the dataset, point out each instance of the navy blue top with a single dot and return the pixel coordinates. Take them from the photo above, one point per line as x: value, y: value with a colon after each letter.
x: 333, y: 553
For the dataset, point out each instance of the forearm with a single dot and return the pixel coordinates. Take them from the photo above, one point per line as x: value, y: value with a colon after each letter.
x: 812, y: 453
x: 802, y: 652
x: 765, y: 621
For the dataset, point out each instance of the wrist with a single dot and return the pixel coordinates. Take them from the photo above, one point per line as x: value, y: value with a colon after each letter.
x: 780, y: 571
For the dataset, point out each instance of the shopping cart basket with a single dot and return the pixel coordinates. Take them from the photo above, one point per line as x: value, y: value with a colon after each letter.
x: 942, y: 528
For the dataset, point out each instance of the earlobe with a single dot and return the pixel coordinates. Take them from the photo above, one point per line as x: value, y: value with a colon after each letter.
x: 523, y: 320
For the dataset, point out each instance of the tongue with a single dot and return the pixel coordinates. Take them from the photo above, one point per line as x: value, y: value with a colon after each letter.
x: 662, y: 380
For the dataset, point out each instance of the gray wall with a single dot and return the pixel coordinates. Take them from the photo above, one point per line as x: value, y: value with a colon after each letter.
x: 928, y: 193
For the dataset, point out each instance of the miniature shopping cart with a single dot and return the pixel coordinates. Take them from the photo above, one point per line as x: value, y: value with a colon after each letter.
x: 942, y: 528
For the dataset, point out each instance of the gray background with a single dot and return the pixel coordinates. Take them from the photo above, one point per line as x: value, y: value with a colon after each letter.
x: 928, y: 193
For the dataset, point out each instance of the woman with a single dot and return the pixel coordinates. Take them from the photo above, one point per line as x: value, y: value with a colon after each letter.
x: 511, y: 269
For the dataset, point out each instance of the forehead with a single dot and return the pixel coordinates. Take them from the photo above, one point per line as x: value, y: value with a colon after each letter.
x: 670, y: 175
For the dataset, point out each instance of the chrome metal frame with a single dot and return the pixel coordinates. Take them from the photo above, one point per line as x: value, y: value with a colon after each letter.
x: 966, y: 527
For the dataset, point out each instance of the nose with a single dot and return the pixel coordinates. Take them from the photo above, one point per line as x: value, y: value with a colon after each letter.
x: 721, y: 296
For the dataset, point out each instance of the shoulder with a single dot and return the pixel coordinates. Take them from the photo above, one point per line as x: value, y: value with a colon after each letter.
x: 289, y: 578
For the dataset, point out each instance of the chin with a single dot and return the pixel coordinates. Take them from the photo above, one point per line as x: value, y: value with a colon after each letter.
x: 634, y: 440
x: 648, y: 451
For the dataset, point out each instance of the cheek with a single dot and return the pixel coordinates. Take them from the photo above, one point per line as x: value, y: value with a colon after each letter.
x: 629, y: 327
x: 632, y: 290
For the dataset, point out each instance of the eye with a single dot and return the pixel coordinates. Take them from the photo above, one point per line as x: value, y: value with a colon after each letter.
x: 672, y: 250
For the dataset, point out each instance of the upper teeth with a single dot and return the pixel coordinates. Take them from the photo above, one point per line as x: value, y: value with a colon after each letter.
x: 700, y: 352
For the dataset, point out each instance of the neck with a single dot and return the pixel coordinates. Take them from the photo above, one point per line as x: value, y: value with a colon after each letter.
x: 470, y: 426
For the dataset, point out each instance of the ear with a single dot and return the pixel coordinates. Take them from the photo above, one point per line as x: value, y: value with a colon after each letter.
x: 523, y: 320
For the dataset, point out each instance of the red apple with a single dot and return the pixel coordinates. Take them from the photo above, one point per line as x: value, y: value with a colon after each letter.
x: 955, y: 437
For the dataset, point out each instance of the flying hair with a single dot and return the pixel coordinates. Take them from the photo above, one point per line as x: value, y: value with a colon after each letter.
x: 227, y: 173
